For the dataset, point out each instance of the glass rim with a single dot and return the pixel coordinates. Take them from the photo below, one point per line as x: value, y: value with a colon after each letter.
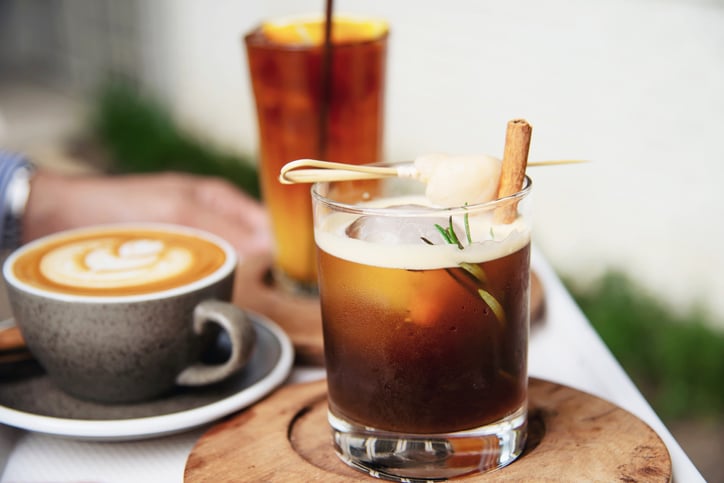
x: 256, y: 39
x: 420, y: 211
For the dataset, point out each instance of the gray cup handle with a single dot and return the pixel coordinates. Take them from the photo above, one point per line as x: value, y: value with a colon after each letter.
x: 241, y: 334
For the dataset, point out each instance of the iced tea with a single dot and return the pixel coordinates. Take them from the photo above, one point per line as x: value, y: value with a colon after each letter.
x: 424, y: 339
x: 292, y: 95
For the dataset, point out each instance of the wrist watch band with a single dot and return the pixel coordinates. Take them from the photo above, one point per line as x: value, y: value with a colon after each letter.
x: 16, y: 184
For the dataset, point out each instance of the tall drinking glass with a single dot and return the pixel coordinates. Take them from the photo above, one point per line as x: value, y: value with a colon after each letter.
x: 425, y: 316
x: 313, y: 105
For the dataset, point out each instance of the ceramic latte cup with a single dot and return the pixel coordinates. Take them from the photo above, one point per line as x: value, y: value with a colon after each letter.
x: 123, y: 313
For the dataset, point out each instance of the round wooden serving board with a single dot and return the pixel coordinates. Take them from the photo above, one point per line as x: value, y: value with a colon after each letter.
x: 573, y: 436
x: 300, y: 316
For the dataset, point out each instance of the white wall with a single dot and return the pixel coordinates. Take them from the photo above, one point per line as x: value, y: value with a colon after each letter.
x: 635, y: 86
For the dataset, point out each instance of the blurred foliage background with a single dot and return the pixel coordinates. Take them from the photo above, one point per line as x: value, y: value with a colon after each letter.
x: 676, y: 359
x: 139, y: 135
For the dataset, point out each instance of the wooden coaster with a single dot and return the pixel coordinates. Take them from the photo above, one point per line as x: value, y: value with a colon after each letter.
x: 573, y: 436
x: 13, y: 352
x: 300, y: 316
x: 11, y: 339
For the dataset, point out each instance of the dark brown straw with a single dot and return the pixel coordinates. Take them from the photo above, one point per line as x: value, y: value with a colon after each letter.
x: 326, y: 80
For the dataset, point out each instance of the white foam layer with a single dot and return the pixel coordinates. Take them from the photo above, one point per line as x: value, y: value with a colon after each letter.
x: 489, y: 241
x: 106, y: 263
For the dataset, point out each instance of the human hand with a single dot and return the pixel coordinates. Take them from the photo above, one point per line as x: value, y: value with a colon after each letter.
x: 58, y: 202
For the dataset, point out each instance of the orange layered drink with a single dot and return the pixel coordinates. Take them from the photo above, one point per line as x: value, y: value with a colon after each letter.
x: 313, y: 102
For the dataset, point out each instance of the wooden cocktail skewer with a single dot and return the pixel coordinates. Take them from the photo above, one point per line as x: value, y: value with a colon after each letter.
x: 294, y: 172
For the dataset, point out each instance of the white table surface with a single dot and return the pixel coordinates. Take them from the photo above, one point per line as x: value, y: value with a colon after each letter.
x: 563, y: 349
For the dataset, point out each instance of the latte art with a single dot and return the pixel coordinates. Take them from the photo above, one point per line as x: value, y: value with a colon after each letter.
x: 112, y: 263
x: 119, y: 262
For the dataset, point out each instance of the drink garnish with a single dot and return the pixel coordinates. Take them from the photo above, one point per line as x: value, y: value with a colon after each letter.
x: 512, y: 172
x: 449, y: 233
x: 473, y: 270
x: 493, y: 304
x: 327, y: 171
x: 310, y: 30
x: 466, y: 220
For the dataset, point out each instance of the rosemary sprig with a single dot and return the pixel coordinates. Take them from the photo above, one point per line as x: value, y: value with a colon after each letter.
x: 474, y: 270
x: 493, y: 304
x: 449, y: 234
x: 466, y: 220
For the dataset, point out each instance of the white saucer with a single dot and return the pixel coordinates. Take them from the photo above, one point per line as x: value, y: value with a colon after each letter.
x: 33, y: 403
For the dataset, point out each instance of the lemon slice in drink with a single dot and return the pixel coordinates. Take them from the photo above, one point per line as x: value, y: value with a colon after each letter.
x: 310, y: 30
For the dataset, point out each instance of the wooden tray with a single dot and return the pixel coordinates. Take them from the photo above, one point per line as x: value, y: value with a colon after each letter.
x: 300, y: 316
x: 573, y: 436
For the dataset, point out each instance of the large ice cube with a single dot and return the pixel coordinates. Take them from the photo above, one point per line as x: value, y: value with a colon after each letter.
x: 396, y: 230
x: 457, y: 180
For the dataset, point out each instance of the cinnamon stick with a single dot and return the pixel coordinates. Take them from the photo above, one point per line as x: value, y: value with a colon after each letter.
x: 515, y: 161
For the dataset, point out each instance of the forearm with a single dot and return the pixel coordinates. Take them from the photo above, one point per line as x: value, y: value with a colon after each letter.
x: 50, y: 205
x: 60, y: 202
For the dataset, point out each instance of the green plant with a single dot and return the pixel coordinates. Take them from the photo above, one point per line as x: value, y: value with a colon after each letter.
x: 141, y: 136
x: 677, y: 360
